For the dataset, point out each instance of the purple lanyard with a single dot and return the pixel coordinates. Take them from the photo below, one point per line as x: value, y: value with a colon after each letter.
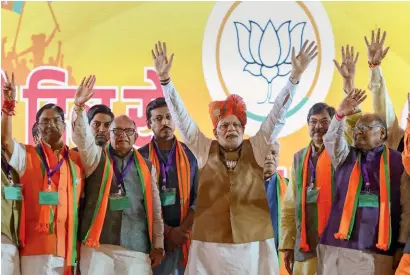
x: 50, y: 173
x: 364, y: 173
x: 7, y: 169
x: 164, y: 166
x: 312, y: 169
x: 120, y: 176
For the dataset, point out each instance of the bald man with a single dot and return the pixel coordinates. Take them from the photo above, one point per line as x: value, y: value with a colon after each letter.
x: 275, y: 186
x: 121, y: 227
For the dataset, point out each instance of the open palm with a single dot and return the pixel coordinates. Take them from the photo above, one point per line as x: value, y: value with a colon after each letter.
x: 162, y: 63
x: 375, y: 51
x: 351, y: 102
x: 305, y: 56
x: 85, y: 91
x: 348, y: 68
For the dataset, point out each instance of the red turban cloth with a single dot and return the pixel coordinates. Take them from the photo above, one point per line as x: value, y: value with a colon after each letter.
x: 233, y: 105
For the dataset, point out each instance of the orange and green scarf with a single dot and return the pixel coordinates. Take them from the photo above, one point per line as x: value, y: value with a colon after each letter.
x: 92, y: 237
x: 352, y: 199
x: 281, y: 186
x: 45, y: 222
x: 323, y: 182
x: 184, y: 184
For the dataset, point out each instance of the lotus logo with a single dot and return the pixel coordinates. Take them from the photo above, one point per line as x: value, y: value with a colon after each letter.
x: 267, y: 52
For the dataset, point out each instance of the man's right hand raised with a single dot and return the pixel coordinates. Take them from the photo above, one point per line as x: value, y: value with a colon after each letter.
x: 9, y: 88
x: 161, y: 61
x: 84, y: 91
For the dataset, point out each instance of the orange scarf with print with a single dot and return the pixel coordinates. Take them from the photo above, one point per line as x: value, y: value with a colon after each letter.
x: 184, y: 185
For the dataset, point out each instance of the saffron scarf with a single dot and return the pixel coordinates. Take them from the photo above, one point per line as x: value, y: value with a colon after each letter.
x: 45, y: 222
x: 324, y: 183
x: 92, y: 237
x: 352, y: 199
x: 281, y: 186
x: 183, y: 168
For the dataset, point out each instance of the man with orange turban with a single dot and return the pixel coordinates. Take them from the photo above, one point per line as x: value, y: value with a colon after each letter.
x: 232, y: 231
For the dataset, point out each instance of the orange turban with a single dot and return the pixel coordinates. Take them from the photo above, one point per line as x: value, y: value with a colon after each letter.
x: 233, y: 105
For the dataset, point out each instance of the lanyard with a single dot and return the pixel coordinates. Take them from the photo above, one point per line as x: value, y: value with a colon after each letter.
x: 7, y: 169
x: 120, y: 176
x: 51, y: 172
x: 312, y: 170
x: 365, y: 173
x: 165, y: 166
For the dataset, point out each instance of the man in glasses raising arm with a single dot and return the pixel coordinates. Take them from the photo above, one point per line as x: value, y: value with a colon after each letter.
x: 122, y: 225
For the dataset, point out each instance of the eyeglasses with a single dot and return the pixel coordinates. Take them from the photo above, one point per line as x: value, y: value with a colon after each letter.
x: 159, y: 119
x: 119, y: 131
x: 323, y: 122
x: 365, y: 128
x: 225, y: 125
x: 49, y: 121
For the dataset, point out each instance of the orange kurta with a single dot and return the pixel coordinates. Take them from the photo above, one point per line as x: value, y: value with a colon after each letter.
x: 44, y: 243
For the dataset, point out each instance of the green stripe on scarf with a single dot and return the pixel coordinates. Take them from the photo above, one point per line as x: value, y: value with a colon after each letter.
x: 356, y: 200
x: 107, y: 168
x: 387, y: 175
x: 299, y: 184
x: 75, y: 211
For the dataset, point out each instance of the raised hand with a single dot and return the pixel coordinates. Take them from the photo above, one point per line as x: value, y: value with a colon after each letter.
x: 375, y: 51
x: 348, y: 68
x: 161, y: 61
x: 9, y: 88
x: 302, y: 60
x: 350, y: 103
x: 84, y: 91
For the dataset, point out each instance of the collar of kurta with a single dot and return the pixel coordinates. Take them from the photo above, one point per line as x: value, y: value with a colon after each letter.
x: 316, y: 151
x: 115, y: 154
x: 370, y: 154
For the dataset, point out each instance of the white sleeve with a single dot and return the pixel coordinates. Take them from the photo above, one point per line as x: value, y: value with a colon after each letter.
x: 192, y: 136
x: 273, y: 124
x: 158, y: 227
x: 18, y: 158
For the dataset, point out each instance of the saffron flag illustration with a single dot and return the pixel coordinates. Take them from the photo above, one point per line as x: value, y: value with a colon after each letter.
x: 15, y: 6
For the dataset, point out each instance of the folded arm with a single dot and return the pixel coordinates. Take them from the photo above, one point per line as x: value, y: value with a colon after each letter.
x: 90, y: 152
x: 192, y: 136
x: 273, y: 123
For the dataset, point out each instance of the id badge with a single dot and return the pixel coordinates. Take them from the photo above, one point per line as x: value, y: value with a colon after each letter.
x: 168, y: 197
x: 48, y: 198
x: 118, y: 202
x: 368, y: 200
x: 13, y: 193
x: 311, y: 195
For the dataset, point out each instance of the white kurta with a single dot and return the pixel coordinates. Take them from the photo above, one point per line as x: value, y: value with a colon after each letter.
x: 112, y: 259
x: 10, y: 259
x: 206, y: 258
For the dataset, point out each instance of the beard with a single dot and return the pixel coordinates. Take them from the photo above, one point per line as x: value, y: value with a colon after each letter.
x: 101, y: 140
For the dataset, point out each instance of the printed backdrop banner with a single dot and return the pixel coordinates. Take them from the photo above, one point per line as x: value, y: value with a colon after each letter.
x: 220, y: 48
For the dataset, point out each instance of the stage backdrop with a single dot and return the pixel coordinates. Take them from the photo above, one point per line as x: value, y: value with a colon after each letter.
x: 220, y: 48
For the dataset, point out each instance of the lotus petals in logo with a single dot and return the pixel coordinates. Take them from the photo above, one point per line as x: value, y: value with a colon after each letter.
x: 267, y: 52
x: 247, y: 50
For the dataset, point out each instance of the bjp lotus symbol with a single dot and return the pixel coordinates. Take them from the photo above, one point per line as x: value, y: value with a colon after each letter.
x: 267, y: 52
